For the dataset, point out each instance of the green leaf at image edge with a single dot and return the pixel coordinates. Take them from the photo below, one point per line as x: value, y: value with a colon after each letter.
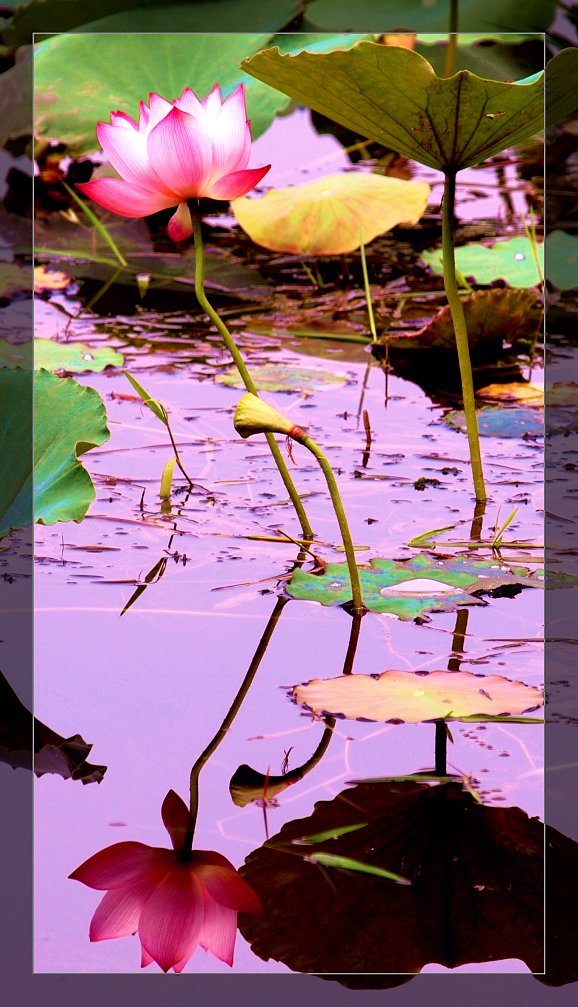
x: 392, y: 95
x: 69, y: 420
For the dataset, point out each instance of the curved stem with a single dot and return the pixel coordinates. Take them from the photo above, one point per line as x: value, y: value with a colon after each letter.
x: 232, y: 713
x: 314, y: 448
x: 241, y: 367
x: 461, y: 333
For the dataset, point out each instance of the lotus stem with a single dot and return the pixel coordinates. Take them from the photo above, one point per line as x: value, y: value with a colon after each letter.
x: 450, y: 63
x: 232, y: 713
x: 303, y: 438
x: 243, y: 371
x: 461, y: 333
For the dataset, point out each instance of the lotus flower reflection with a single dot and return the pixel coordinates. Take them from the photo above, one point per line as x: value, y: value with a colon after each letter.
x: 175, y: 901
x: 178, y: 150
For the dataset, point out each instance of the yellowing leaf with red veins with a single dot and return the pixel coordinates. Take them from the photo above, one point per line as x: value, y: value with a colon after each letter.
x: 330, y: 215
x: 45, y: 279
x: 411, y: 698
x: 530, y: 392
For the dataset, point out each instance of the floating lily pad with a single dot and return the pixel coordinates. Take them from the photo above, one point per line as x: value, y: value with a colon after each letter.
x: 410, y: 698
x: 496, y: 422
x: 74, y: 357
x: 492, y: 316
x: 68, y: 421
x: 477, y: 891
x: 410, y: 588
x: 71, y: 357
x: 512, y: 261
x: 562, y: 260
x: 330, y: 215
x: 392, y: 95
x: 284, y: 378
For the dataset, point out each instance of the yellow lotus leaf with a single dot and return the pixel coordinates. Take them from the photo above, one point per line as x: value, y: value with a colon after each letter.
x: 45, y: 279
x: 515, y: 391
x: 330, y: 215
x: 414, y: 697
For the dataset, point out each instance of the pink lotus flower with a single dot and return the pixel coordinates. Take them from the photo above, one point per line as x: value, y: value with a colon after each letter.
x: 178, y: 150
x: 174, y: 903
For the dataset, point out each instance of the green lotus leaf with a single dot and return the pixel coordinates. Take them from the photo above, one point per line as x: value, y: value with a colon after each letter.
x: 68, y: 421
x: 425, y: 15
x: 496, y: 422
x: 512, y: 261
x: 284, y: 378
x: 52, y: 356
x: 562, y: 260
x: 410, y: 588
x: 392, y: 95
x: 330, y: 215
x: 80, y: 78
x: 413, y: 698
x: 561, y: 94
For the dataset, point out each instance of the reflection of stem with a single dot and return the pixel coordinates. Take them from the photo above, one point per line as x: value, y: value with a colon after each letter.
x: 478, y: 521
x: 240, y: 365
x: 441, y: 768
x: 450, y: 64
x: 314, y: 448
x: 353, y: 641
x: 234, y: 709
x: 461, y: 333
x: 459, y: 639
x: 367, y: 428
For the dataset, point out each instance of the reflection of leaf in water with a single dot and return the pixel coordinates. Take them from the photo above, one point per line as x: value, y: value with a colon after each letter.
x: 502, y: 422
x: 476, y: 892
x: 412, y: 698
x: 52, y: 753
x: 409, y: 588
x: 284, y: 378
x: 248, y: 785
x: 331, y: 215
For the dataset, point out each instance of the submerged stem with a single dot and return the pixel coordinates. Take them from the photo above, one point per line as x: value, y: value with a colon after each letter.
x: 461, y: 333
x: 243, y: 371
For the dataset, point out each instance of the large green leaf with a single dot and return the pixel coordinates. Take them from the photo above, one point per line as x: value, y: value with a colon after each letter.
x: 512, y: 260
x: 51, y: 16
x: 408, y: 589
x: 80, y: 79
x: 392, y: 95
x: 561, y: 93
x: 410, y: 698
x: 68, y: 421
x: 330, y: 215
x: 428, y: 15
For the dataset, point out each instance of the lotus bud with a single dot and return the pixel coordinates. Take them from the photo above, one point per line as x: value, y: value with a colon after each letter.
x: 253, y: 416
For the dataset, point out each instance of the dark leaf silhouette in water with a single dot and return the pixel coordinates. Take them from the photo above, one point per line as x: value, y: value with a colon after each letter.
x: 65, y: 757
x: 476, y: 893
